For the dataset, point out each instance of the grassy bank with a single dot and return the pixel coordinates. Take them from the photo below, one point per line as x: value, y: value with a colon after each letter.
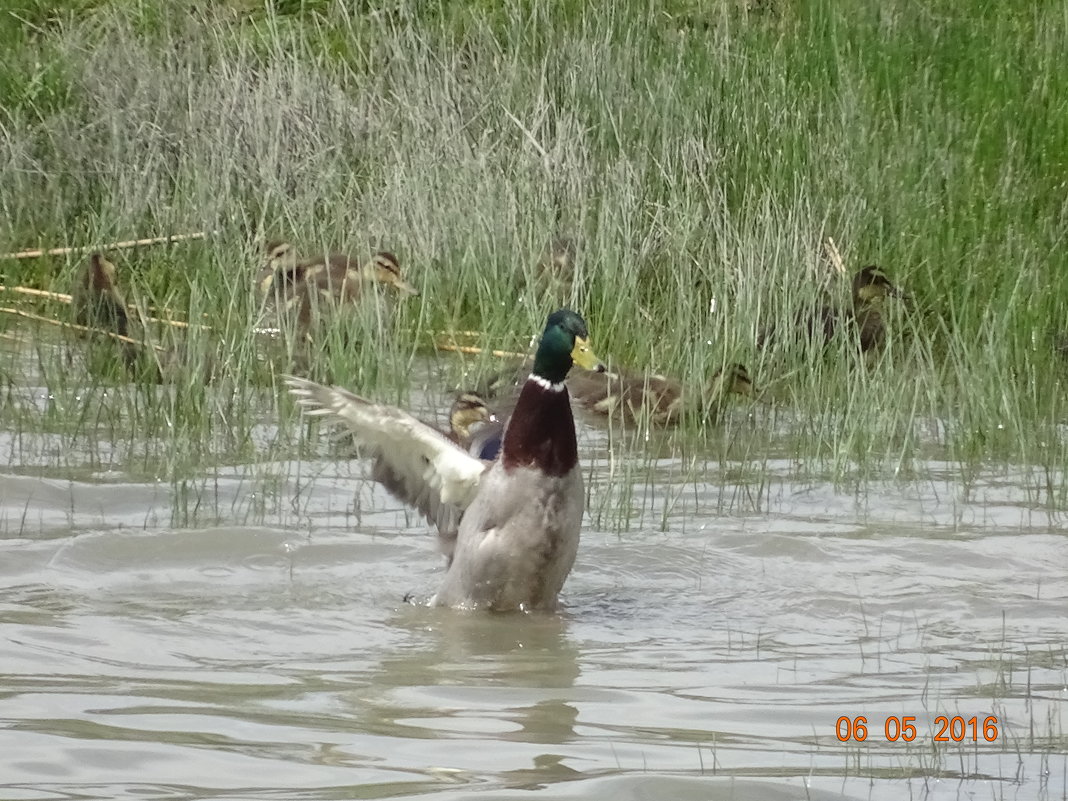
x: 696, y: 152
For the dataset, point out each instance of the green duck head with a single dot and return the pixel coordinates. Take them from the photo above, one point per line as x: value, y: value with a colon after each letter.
x: 564, y: 342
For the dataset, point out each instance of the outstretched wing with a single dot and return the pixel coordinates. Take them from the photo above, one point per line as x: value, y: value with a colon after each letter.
x: 415, y: 462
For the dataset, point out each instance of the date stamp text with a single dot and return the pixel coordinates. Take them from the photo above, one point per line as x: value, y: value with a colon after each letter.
x: 955, y: 729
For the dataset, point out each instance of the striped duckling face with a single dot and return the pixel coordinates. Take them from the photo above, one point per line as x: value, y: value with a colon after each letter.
x: 468, y: 412
x: 384, y: 269
x: 871, y: 285
x: 733, y: 379
x: 279, y: 267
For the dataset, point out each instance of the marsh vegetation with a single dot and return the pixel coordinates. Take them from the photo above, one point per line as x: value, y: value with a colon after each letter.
x: 695, y: 159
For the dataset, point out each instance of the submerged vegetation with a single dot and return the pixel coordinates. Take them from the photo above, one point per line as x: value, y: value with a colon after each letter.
x: 696, y: 158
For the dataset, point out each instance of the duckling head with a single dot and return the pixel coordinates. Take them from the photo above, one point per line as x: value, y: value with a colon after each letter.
x: 467, y: 412
x: 279, y: 265
x: 384, y: 269
x: 564, y: 342
x: 562, y: 252
x: 102, y: 275
x: 871, y: 285
x: 732, y: 379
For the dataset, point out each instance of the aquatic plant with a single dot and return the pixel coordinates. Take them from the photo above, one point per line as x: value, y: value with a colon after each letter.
x: 697, y: 158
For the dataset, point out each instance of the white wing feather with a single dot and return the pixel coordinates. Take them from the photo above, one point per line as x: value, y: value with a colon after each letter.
x: 426, y: 461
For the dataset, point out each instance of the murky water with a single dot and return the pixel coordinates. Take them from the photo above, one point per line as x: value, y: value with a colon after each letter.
x: 703, y: 653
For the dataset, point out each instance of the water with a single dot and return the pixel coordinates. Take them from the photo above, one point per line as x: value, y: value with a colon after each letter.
x: 705, y: 652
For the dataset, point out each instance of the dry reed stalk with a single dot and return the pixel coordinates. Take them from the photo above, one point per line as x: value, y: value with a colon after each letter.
x: 834, y: 256
x: 178, y: 323
x: 75, y: 327
x: 503, y: 354
x: 64, y: 298
x: 38, y: 293
x: 130, y: 243
x: 466, y: 334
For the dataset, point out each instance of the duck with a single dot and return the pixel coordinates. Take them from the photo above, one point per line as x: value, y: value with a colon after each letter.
x: 871, y: 287
x: 509, y: 528
x: 553, y: 275
x: 864, y: 320
x: 96, y: 300
x: 661, y: 400
x: 306, y: 287
x: 472, y: 425
x: 280, y: 259
x: 97, y: 303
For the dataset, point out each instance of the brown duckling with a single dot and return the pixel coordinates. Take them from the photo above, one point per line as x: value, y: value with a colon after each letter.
x: 870, y: 289
x: 307, y: 286
x: 822, y: 324
x: 96, y: 299
x: 554, y: 273
x: 97, y: 303
x: 280, y: 259
x: 469, y: 419
x: 662, y: 400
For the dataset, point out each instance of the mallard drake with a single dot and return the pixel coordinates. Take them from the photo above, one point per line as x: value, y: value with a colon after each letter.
x: 97, y: 302
x: 510, y: 528
x: 661, y: 400
x: 307, y: 287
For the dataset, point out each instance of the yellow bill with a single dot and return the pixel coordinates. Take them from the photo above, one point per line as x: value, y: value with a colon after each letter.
x: 582, y: 355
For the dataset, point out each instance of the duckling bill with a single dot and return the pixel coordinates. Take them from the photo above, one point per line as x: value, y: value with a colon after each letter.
x: 510, y: 528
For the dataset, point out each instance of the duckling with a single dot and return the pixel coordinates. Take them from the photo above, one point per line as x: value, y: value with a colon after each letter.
x: 510, y: 528
x: 96, y: 299
x: 821, y: 325
x: 336, y: 280
x: 478, y: 430
x: 553, y: 275
x: 870, y: 288
x: 279, y: 262
x: 97, y: 303
x: 662, y: 400
x: 469, y: 420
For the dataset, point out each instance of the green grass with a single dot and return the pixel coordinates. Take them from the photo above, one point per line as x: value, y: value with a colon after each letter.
x: 696, y: 151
